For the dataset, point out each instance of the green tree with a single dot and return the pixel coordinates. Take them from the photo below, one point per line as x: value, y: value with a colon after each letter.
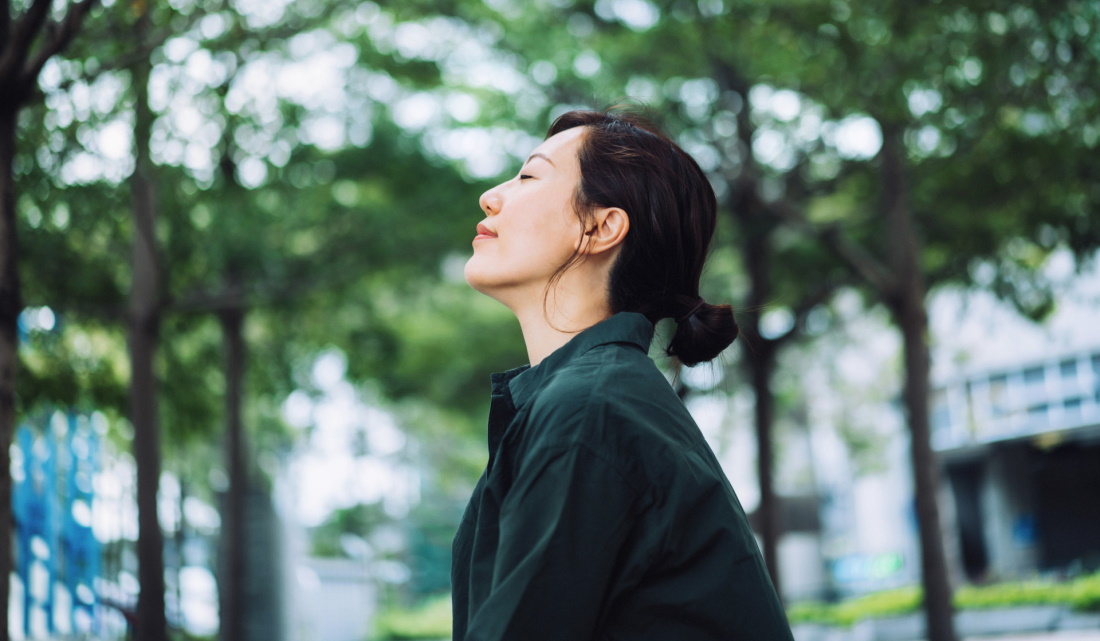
x: 939, y: 84
x: 30, y: 38
x: 326, y: 249
x: 302, y: 246
x: 146, y: 302
x: 956, y: 97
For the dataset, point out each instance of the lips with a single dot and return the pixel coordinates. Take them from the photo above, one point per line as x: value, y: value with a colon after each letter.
x: 484, y: 233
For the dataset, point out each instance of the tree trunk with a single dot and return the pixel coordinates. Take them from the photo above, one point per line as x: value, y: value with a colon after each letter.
x: 144, y: 328
x: 762, y: 364
x: 17, y: 81
x: 11, y: 304
x: 939, y: 611
x: 231, y: 584
x: 755, y: 232
x: 761, y: 358
x: 907, y: 306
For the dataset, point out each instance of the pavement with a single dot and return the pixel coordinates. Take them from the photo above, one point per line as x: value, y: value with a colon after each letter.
x: 1061, y: 635
x: 1071, y: 635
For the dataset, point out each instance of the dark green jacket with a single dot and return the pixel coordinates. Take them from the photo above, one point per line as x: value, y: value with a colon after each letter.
x: 602, y: 513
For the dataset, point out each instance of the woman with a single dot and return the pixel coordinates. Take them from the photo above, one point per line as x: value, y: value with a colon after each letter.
x: 602, y: 513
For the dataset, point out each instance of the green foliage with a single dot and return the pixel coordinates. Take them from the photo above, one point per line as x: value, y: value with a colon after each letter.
x: 1012, y: 594
x: 430, y: 531
x: 430, y: 619
x: 358, y: 520
x: 81, y: 365
x: 1085, y: 593
x: 357, y: 247
x: 1082, y: 593
x: 180, y: 635
x: 878, y: 604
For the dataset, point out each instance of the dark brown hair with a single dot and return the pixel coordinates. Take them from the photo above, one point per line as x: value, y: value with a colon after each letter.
x: 626, y: 162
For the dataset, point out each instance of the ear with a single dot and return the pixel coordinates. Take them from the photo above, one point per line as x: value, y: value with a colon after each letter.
x: 605, y: 232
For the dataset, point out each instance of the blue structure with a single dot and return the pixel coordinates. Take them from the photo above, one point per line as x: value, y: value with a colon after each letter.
x: 81, y: 549
x: 52, y: 505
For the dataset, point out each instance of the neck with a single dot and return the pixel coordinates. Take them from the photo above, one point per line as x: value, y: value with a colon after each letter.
x: 548, y: 327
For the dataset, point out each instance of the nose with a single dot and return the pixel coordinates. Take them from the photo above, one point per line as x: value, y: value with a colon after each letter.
x: 490, y: 202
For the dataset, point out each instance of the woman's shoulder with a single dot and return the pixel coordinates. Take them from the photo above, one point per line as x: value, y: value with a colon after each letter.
x: 613, y: 398
x: 606, y: 376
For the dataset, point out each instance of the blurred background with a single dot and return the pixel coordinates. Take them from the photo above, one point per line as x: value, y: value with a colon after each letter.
x: 243, y: 385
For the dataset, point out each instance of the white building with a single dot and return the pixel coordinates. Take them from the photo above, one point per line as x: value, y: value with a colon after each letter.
x: 1016, y: 426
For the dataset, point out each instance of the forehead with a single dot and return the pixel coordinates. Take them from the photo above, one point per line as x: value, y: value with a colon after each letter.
x: 562, y: 147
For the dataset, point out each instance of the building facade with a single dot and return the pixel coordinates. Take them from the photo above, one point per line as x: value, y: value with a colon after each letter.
x: 1020, y: 448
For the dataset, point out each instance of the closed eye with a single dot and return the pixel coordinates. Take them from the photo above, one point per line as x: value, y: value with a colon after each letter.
x: 525, y: 176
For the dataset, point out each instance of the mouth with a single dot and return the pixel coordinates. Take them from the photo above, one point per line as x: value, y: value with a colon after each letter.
x: 484, y: 233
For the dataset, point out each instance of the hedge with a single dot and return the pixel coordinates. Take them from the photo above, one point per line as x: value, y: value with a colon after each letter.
x: 1082, y: 593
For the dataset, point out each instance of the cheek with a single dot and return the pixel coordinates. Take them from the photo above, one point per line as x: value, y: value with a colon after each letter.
x: 528, y: 250
x: 541, y: 238
x: 549, y: 249
x: 563, y: 233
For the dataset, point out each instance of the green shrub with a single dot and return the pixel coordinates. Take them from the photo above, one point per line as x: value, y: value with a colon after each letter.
x: 810, y: 612
x: 1082, y: 593
x: 877, y: 604
x: 430, y: 619
x: 1006, y: 595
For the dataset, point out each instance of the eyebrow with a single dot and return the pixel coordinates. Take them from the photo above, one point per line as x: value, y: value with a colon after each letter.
x: 540, y: 155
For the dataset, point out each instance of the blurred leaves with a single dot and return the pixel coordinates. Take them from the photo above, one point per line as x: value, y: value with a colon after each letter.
x: 319, y: 159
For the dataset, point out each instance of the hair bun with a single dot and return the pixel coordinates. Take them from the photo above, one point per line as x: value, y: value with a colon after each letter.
x: 691, y: 312
x: 702, y: 333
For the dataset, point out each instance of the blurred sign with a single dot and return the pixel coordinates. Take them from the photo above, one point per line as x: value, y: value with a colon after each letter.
x: 1024, y: 531
x: 867, y: 567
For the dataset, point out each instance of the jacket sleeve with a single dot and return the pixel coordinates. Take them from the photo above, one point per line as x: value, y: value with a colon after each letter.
x: 562, y: 526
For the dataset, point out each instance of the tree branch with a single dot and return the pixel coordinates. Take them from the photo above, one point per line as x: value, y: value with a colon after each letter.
x: 803, y: 308
x: 22, y: 36
x: 864, y: 264
x: 59, y: 37
x: 124, y: 61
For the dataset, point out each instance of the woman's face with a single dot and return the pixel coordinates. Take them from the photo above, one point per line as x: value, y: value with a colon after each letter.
x: 531, y: 228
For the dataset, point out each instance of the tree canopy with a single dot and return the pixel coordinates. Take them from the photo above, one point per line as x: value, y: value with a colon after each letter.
x: 317, y: 166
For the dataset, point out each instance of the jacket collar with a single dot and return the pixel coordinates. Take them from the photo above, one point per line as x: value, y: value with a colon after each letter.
x: 624, y: 327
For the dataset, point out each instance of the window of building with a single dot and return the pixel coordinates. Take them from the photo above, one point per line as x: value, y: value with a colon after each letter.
x: 1068, y: 369
x: 1072, y: 408
x: 1035, y: 384
x: 941, y: 412
x: 969, y: 417
x: 998, y: 395
x: 1037, y: 415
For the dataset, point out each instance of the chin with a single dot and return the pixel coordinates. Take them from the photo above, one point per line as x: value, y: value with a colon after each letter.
x: 500, y: 288
x: 475, y: 278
